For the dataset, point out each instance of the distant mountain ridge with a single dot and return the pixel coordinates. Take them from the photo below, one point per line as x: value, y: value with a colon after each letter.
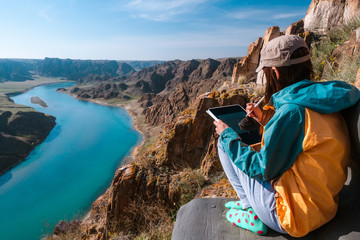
x: 164, y: 90
x: 14, y: 70
x: 25, y: 69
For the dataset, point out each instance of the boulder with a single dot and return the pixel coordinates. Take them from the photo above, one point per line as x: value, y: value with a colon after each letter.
x: 323, y: 15
x: 295, y: 28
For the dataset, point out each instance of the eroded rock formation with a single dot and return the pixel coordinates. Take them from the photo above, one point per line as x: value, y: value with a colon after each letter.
x: 271, y: 33
x: 244, y: 71
x: 295, y: 28
x: 323, y: 15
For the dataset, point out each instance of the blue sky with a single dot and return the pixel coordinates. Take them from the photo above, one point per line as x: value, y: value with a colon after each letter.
x: 139, y: 29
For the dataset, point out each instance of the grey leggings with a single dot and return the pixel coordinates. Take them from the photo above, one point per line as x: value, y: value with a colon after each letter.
x: 259, y: 195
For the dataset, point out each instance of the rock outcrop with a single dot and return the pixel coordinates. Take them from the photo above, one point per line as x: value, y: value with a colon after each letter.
x: 323, y: 15
x: 270, y: 34
x: 19, y: 133
x: 244, y: 71
x: 295, y: 28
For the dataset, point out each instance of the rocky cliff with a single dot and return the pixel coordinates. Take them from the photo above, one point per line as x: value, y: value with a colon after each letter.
x: 11, y: 70
x: 323, y: 15
x: 20, y: 132
x: 163, y: 175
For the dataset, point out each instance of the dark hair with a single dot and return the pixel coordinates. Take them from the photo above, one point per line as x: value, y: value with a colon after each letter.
x: 287, y: 76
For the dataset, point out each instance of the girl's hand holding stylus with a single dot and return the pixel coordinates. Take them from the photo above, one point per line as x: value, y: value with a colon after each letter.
x: 254, y: 112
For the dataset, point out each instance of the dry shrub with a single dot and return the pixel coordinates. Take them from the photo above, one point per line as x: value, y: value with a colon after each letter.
x: 242, y: 79
x: 190, y: 182
x: 346, y: 69
x: 259, y: 90
x: 343, y: 32
x: 71, y: 230
x: 147, y: 220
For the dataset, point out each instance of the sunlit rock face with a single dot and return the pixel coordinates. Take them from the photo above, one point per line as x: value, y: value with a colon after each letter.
x: 323, y: 15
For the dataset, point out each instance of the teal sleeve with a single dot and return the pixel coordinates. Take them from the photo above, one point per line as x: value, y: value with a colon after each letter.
x: 283, y: 141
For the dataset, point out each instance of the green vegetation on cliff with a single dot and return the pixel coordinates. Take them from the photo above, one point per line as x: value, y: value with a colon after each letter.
x: 335, y: 56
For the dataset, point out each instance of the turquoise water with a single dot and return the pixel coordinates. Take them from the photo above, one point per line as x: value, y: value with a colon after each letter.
x: 75, y: 164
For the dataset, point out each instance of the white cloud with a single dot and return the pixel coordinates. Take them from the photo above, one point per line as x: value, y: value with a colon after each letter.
x: 263, y: 14
x: 161, y: 10
x: 289, y: 15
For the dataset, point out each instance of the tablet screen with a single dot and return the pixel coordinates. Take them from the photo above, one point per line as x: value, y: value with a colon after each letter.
x: 232, y: 115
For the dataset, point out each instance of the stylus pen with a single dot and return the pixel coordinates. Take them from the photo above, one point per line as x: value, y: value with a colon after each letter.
x: 256, y: 105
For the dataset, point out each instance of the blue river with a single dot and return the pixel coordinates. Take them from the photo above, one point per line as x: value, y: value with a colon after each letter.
x: 61, y: 177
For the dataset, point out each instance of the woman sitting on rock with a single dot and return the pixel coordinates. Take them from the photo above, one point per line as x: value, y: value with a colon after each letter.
x: 292, y: 184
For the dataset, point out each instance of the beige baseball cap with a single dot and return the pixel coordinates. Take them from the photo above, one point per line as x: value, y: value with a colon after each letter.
x: 278, y: 51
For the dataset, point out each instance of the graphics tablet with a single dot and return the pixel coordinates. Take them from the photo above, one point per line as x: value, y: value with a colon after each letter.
x: 232, y: 115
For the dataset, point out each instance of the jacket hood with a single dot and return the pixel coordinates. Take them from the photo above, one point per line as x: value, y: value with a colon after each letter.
x: 322, y: 97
